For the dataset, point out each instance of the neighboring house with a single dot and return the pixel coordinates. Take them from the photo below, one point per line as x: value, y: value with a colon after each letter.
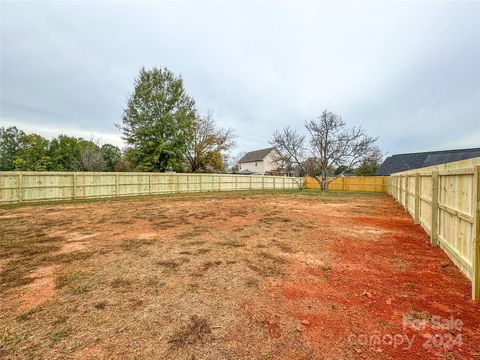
x: 259, y: 162
x: 403, y: 162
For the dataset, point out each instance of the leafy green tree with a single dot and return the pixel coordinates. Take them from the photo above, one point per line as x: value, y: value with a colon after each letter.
x: 32, y: 154
x: 158, y: 121
x: 111, y: 155
x: 64, y: 152
x: 10, y: 143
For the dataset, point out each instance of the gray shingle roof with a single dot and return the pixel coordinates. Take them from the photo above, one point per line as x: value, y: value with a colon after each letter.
x: 256, y: 155
x: 403, y: 162
x: 246, y: 172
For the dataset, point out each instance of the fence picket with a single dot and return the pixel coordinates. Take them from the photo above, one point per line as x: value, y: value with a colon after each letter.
x: 50, y: 186
x: 451, y: 213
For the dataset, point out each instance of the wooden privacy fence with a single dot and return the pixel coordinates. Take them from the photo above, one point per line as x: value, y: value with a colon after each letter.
x: 18, y: 187
x: 352, y: 183
x: 445, y: 200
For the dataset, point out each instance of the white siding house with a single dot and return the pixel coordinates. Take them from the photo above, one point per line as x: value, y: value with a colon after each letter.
x: 259, y: 162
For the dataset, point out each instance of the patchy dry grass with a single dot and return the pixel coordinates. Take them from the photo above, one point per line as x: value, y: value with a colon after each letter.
x: 196, y: 331
x: 218, y: 276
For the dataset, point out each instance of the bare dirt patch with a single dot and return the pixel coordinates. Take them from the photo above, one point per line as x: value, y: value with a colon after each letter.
x: 40, y: 290
x: 225, y: 276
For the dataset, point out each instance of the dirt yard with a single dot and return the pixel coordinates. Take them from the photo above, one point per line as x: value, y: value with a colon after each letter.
x: 298, y: 275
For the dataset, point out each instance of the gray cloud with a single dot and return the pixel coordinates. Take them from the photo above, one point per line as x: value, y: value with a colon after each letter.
x: 407, y: 72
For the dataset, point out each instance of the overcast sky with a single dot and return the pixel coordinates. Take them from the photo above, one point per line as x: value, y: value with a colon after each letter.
x: 408, y: 73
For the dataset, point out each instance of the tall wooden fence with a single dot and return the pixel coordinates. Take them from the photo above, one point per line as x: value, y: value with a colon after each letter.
x: 18, y: 187
x: 352, y: 183
x: 445, y: 200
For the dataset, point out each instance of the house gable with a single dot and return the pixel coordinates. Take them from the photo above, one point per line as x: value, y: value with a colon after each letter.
x: 256, y: 155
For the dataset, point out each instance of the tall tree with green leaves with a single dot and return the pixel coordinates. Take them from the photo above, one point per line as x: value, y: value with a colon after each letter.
x: 64, y: 152
x: 158, y: 121
x: 10, y: 143
x: 32, y: 154
x: 111, y: 155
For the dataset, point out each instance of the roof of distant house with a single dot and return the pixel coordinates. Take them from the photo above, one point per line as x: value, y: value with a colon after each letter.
x: 246, y: 172
x: 403, y: 162
x: 256, y: 155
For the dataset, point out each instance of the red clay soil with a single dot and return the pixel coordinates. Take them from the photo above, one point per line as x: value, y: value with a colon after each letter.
x: 389, y: 294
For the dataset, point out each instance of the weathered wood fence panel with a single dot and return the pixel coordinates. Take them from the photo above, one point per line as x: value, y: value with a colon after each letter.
x: 445, y: 200
x: 18, y: 187
x: 352, y: 183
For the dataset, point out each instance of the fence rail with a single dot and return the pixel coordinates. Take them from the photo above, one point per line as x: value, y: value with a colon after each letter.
x: 352, y: 183
x: 16, y: 187
x: 445, y: 201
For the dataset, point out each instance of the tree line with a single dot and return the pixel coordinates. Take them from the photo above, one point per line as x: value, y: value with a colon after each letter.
x: 161, y: 126
x: 32, y: 152
x: 164, y: 131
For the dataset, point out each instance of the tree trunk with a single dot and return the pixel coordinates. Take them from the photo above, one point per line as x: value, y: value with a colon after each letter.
x: 324, y: 183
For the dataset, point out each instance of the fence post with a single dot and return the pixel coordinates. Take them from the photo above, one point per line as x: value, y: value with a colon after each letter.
x: 20, y: 187
x: 200, y: 182
x: 284, y: 183
x: 400, y: 193
x: 397, y: 187
x: 236, y: 182
x: 263, y: 182
x: 149, y: 184
x: 251, y: 183
x: 417, y: 198
x: 407, y: 192
x: 74, y: 186
x: 394, y: 186
x: 400, y: 190
x: 476, y: 235
x: 434, y: 229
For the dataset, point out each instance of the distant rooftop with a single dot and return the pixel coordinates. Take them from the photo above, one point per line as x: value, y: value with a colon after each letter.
x: 246, y: 172
x: 404, y: 162
x: 256, y: 155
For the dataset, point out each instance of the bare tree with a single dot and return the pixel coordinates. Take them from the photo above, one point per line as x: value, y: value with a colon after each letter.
x: 291, y: 148
x: 234, y: 162
x: 371, y: 163
x: 209, y: 146
x: 330, y: 143
x: 90, y: 156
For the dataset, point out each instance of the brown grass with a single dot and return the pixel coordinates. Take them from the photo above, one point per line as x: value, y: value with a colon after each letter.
x: 220, y: 276
x: 196, y: 331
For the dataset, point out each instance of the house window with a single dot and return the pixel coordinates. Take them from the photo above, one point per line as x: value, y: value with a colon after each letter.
x: 255, y: 163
